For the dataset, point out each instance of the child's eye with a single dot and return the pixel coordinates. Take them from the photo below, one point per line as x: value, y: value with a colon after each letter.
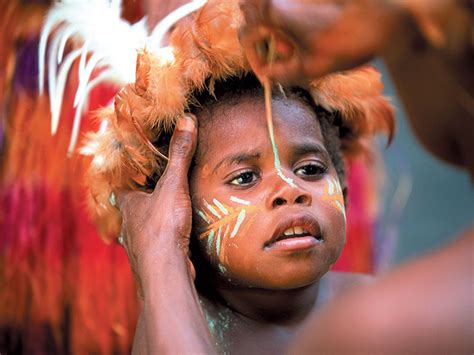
x: 311, y: 170
x: 243, y: 179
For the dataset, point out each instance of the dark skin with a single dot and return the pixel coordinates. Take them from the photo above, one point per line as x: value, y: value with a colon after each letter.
x: 268, y: 288
x: 155, y: 243
x: 422, y: 306
x: 314, y: 37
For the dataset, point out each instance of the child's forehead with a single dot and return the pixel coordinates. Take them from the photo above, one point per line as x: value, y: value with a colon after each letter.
x: 241, y: 122
x: 246, y: 109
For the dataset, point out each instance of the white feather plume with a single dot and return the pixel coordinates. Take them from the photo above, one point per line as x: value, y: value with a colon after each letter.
x: 102, y: 41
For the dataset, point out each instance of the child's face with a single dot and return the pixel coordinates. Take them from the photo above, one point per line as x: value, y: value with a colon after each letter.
x: 254, y: 227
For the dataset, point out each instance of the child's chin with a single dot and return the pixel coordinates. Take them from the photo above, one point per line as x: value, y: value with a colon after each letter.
x: 296, y: 275
x: 278, y: 280
x: 302, y: 279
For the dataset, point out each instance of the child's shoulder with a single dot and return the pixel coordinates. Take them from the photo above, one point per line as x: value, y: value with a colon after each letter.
x: 335, y: 283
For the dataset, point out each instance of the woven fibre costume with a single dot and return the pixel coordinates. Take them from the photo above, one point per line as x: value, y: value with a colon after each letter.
x: 204, y: 48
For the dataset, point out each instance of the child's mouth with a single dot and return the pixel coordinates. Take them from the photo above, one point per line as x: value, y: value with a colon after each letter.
x: 300, y: 233
x: 294, y: 232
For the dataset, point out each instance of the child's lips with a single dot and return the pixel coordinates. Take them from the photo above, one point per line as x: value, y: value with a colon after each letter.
x: 294, y: 244
x: 295, y: 232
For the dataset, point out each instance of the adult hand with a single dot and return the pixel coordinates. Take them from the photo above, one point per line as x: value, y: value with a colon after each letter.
x: 313, y: 37
x: 158, y: 225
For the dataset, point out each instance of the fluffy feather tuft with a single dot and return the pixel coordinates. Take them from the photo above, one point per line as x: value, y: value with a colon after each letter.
x: 195, y: 65
x: 120, y: 161
x: 159, y: 82
x: 357, y: 96
x: 215, y: 32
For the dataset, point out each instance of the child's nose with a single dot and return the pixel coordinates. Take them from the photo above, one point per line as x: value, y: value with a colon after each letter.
x: 285, y: 194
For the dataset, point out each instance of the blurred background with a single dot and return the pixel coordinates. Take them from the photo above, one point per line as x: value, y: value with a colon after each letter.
x: 63, y: 289
x: 425, y: 201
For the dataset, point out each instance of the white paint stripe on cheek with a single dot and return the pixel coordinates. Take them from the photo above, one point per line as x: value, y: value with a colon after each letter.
x: 221, y: 207
x: 222, y: 269
x: 212, y: 209
x: 218, y: 242
x: 271, y: 133
x: 338, y: 188
x: 209, y: 242
x: 203, y: 216
x: 341, y: 207
x: 239, y: 200
x: 240, y: 219
x: 288, y: 180
x: 330, y: 186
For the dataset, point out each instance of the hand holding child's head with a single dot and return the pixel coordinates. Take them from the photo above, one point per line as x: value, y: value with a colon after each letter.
x: 152, y: 224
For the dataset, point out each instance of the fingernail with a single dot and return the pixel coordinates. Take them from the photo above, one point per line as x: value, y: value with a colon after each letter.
x: 121, y: 239
x: 112, y: 199
x: 186, y: 123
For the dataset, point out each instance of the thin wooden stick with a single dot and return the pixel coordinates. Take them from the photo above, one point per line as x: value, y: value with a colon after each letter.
x: 268, y: 111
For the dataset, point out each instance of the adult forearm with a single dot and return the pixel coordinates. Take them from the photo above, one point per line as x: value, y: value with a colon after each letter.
x: 156, y: 228
x: 422, y: 307
x: 173, y: 318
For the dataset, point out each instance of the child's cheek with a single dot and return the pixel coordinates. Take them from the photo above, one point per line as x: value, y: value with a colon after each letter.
x: 220, y: 224
x: 332, y: 195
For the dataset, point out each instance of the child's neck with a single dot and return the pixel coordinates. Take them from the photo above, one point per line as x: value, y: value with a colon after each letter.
x: 276, y: 306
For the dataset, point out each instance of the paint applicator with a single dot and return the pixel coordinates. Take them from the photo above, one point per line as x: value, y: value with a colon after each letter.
x: 266, y: 49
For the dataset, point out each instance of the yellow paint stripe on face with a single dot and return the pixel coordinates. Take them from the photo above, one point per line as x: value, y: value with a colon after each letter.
x: 333, y: 194
x: 223, y: 256
x: 203, y: 216
x: 233, y: 215
x: 341, y: 208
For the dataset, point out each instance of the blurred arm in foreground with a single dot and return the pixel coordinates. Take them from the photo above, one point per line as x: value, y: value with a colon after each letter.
x: 425, y: 306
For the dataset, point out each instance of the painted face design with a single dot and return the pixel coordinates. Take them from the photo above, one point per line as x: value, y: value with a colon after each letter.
x: 271, y: 133
x: 333, y: 194
x: 264, y: 217
x: 223, y: 224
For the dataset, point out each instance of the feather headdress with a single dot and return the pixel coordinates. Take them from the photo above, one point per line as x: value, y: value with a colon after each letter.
x: 203, y: 49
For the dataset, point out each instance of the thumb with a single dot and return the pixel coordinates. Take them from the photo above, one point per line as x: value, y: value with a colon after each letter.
x: 127, y: 200
x: 182, y: 147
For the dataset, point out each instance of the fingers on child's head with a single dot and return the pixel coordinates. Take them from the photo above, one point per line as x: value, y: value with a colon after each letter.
x: 183, y: 143
x: 125, y: 199
x: 117, y: 199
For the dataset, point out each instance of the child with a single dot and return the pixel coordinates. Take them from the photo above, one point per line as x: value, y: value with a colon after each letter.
x: 268, y: 220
